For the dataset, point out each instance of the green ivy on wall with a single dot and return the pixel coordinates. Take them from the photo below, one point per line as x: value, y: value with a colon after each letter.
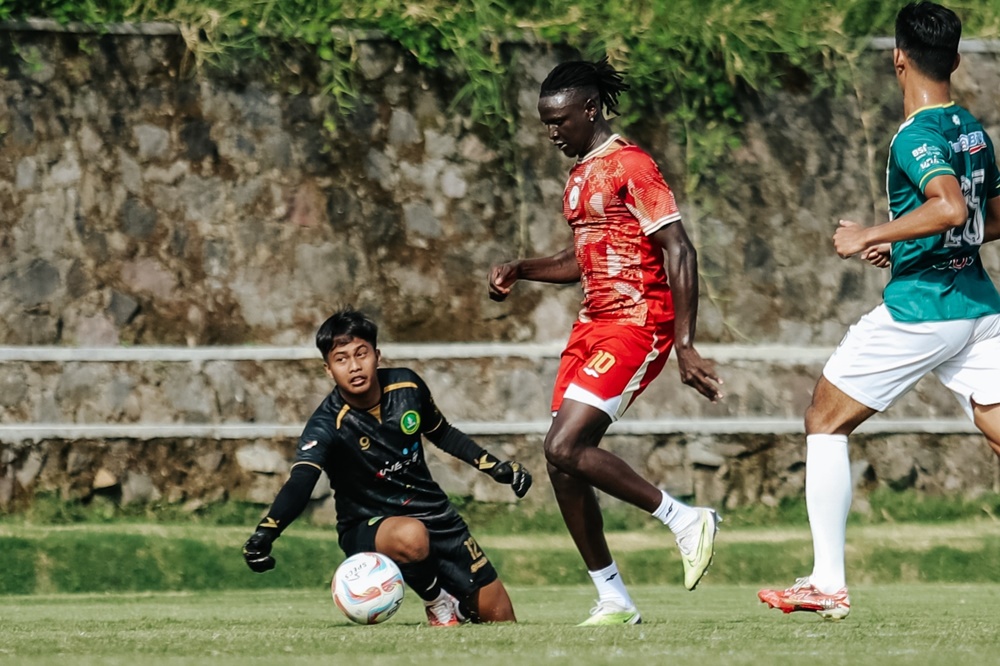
x: 686, y: 59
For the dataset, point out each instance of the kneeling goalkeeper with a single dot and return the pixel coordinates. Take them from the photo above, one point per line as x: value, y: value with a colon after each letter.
x: 366, y: 436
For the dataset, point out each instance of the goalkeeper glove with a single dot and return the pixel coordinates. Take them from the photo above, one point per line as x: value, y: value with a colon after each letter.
x: 257, y: 550
x: 513, y: 473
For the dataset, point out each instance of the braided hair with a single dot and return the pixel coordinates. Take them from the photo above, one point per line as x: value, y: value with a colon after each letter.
x: 599, y: 76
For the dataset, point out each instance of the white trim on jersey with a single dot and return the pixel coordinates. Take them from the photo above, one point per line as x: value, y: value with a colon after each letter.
x: 596, y: 151
x: 653, y: 227
x: 634, y: 383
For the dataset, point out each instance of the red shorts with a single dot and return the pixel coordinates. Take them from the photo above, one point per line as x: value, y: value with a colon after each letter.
x: 608, y: 365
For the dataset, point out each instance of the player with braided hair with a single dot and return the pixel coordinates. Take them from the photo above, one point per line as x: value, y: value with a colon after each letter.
x: 600, y: 75
x: 623, y: 217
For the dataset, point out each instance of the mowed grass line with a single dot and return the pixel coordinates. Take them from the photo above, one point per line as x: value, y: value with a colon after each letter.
x: 130, y: 557
x: 913, y: 534
x: 717, y: 624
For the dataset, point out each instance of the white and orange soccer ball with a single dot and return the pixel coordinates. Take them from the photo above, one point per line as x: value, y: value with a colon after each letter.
x: 368, y: 588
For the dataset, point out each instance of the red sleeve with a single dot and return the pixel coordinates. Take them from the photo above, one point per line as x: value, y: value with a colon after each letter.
x: 647, y: 195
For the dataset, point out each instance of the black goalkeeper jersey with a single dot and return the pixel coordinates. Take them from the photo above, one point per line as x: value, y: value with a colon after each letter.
x: 375, y: 459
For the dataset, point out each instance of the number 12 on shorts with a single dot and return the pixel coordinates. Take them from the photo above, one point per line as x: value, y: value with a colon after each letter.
x: 599, y: 363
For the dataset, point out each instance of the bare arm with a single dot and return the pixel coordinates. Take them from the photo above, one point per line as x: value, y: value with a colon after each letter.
x: 560, y: 268
x: 682, y: 271
x: 879, y: 256
x: 944, y: 209
x: 992, y: 226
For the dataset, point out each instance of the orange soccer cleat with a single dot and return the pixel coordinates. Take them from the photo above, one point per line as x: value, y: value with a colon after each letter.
x: 803, y: 596
x: 443, y: 611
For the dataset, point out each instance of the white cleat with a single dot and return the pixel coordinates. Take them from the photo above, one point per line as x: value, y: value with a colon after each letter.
x: 697, y: 546
x: 607, y: 613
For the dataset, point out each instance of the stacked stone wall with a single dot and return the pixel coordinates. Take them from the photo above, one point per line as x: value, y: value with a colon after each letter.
x: 145, y: 203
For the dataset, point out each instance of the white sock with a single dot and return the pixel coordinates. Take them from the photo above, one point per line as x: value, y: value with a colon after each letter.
x: 828, y: 501
x: 675, y: 515
x: 610, y: 586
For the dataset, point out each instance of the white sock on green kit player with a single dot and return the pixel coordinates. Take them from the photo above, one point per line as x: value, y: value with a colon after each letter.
x: 828, y: 501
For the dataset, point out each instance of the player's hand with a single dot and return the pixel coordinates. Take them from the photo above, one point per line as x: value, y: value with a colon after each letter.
x: 257, y: 551
x: 850, y: 239
x: 502, y: 278
x: 879, y: 256
x: 513, y: 473
x: 699, y: 373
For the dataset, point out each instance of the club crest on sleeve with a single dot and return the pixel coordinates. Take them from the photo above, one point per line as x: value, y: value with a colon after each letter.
x: 574, y: 197
x: 409, y: 423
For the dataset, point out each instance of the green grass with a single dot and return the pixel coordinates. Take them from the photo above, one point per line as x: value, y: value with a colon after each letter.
x: 99, y: 547
x: 718, y: 624
x: 142, y: 557
x: 887, y: 507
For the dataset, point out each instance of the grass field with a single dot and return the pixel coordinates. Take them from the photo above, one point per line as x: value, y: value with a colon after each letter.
x: 717, y: 624
x: 150, y: 593
x: 162, y: 558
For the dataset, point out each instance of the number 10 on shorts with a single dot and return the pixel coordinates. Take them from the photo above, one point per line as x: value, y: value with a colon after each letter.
x: 599, y: 363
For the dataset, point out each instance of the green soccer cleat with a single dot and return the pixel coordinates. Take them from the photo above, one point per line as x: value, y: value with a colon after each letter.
x: 607, y: 613
x: 697, y: 546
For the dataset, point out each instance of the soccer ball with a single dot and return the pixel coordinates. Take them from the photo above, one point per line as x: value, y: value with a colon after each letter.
x: 368, y: 588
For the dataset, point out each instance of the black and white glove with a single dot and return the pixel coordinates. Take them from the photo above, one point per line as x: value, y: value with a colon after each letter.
x: 257, y: 551
x: 513, y: 473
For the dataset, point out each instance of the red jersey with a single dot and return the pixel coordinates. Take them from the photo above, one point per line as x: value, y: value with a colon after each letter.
x: 615, y: 198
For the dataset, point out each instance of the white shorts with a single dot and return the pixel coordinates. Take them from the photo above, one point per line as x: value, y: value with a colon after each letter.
x: 881, y: 359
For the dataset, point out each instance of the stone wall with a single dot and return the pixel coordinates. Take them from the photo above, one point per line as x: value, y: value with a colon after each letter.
x: 715, y: 454
x: 504, y: 389
x: 143, y: 203
x: 725, y: 471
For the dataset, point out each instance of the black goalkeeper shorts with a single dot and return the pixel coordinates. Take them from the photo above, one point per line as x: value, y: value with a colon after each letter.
x: 463, y: 567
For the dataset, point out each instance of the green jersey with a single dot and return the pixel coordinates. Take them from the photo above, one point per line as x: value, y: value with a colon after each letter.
x: 941, y: 277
